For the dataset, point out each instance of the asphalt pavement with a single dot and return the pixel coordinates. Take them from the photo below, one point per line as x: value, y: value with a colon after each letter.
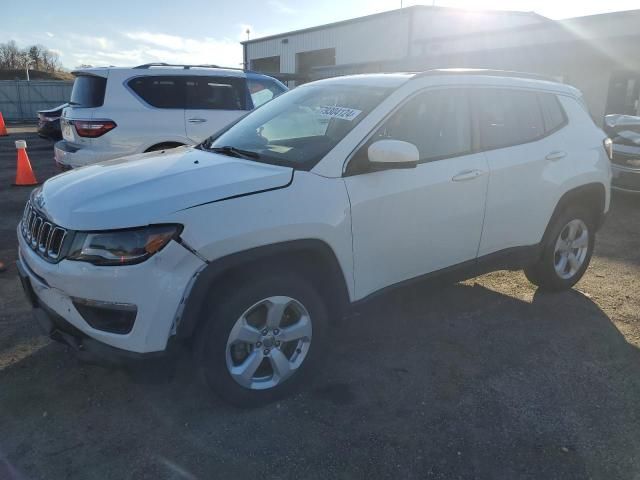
x: 485, y: 379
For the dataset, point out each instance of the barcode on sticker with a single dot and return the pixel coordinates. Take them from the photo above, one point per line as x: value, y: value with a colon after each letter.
x: 343, y: 113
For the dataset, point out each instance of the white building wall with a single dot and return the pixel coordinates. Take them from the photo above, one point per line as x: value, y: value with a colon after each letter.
x: 434, y: 23
x: 353, y: 41
x: 385, y: 36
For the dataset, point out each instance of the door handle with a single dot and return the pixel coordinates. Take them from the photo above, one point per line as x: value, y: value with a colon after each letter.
x: 466, y: 175
x: 553, y: 156
x: 197, y: 120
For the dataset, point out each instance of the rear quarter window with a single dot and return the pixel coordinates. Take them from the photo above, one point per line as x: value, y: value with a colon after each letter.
x: 88, y: 91
x: 159, y: 91
x: 583, y: 104
x: 263, y: 90
x: 552, y: 113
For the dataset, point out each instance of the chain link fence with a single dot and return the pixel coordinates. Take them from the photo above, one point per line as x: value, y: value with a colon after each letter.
x: 20, y: 100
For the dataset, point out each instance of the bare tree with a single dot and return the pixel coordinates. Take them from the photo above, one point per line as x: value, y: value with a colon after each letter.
x: 50, y: 61
x: 10, y: 55
x: 37, y: 57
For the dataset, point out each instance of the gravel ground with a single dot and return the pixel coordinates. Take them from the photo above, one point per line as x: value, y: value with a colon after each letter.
x: 483, y: 379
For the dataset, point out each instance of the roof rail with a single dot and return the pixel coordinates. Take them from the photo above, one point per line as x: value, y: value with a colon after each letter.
x: 484, y: 71
x: 186, y: 67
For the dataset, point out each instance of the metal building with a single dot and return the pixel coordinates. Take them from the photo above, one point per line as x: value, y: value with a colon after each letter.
x: 600, y: 54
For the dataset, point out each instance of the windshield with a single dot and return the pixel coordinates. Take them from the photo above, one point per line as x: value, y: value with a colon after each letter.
x: 300, y: 127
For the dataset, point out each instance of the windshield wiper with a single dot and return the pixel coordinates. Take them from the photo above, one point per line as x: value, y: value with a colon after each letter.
x: 235, y: 152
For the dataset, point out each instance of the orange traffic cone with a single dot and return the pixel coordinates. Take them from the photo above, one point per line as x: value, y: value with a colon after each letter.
x: 3, y: 128
x: 24, y: 173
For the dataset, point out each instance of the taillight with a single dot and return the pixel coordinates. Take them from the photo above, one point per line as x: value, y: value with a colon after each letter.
x: 93, y: 128
x: 608, y: 147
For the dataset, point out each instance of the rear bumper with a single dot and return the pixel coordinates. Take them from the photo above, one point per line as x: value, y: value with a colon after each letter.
x: 64, y: 154
x: 68, y: 155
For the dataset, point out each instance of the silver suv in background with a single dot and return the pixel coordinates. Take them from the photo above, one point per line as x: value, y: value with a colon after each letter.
x: 116, y: 112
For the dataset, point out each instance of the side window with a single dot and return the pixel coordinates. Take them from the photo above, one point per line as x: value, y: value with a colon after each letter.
x: 508, y: 117
x: 438, y: 122
x: 552, y: 113
x: 263, y: 90
x: 159, y: 91
x: 215, y: 93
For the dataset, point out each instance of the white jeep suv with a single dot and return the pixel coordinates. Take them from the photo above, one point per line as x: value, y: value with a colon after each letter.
x: 115, y: 112
x: 245, y: 246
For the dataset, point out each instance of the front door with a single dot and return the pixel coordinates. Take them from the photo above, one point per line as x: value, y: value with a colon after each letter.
x: 409, y: 222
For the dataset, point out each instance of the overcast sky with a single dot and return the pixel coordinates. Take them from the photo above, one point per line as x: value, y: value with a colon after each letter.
x: 131, y: 32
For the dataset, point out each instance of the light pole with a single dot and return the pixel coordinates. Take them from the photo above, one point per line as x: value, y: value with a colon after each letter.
x: 27, y: 68
x: 248, y: 32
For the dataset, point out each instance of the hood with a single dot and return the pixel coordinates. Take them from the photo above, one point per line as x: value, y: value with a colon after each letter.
x: 141, y: 189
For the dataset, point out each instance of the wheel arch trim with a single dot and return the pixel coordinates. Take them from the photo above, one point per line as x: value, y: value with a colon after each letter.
x: 594, y: 191
x: 196, y: 295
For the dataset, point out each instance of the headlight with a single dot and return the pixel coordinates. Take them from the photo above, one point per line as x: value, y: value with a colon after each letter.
x: 121, y: 247
x: 608, y: 147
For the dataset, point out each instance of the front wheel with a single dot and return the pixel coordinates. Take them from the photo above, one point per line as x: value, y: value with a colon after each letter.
x: 566, y: 253
x: 262, y: 339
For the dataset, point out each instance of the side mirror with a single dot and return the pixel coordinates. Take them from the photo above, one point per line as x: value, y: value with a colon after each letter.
x: 386, y: 154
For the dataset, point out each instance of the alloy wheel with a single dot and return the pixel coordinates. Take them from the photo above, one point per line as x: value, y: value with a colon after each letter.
x: 571, y: 249
x: 269, y: 342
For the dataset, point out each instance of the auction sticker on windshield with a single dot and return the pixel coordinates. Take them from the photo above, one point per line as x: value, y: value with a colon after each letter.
x: 343, y: 113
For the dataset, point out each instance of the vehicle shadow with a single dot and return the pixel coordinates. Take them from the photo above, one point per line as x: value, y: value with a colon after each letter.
x: 452, y: 382
x: 543, y: 389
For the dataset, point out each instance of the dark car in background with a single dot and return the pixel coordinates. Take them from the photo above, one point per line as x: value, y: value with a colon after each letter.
x: 624, y: 130
x: 49, y: 122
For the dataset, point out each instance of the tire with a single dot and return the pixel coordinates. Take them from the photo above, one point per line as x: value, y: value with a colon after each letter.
x: 240, y: 311
x: 551, y: 272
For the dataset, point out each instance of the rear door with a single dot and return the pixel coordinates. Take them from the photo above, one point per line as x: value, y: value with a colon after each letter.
x: 161, y: 118
x: 213, y: 102
x: 527, y: 157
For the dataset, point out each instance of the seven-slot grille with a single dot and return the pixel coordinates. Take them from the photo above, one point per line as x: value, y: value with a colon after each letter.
x: 44, y: 238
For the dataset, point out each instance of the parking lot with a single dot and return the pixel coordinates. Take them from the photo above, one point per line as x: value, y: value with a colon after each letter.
x: 483, y: 379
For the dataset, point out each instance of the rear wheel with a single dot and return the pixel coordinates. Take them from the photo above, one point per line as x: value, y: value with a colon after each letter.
x: 567, y: 251
x: 262, y: 339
